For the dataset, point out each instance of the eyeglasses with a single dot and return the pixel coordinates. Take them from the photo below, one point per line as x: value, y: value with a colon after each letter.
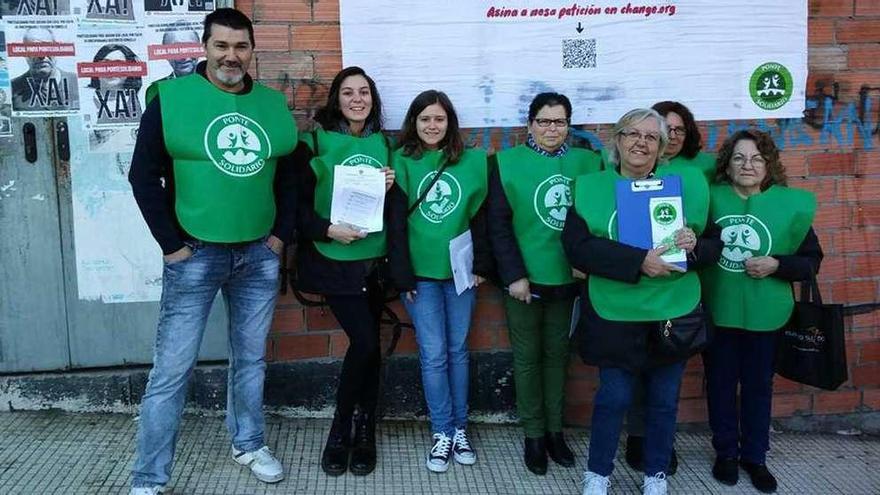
x: 548, y: 122
x: 741, y: 160
x: 677, y: 131
x: 633, y: 136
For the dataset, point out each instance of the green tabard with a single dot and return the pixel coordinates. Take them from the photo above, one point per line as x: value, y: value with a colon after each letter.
x: 335, y: 148
x: 650, y: 299
x: 446, y: 211
x: 773, y: 222
x: 224, y: 147
x: 538, y: 189
x: 705, y: 162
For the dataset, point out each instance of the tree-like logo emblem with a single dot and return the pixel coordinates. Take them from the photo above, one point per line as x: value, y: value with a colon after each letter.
x: 552, y: 200
x: 237, y: 145
x: 771, y: 86
x: 744, y: 237
x: 442, y: 199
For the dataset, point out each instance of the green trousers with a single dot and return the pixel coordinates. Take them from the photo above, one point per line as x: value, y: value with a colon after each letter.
x: 539, y: 338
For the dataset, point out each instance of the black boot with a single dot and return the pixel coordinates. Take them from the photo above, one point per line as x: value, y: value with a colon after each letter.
x: 363, y: 454
x: 558, y: 450
x: 535, y: 455
x: 761, y: 477
x: 635, y: 455
x: 334, y: 460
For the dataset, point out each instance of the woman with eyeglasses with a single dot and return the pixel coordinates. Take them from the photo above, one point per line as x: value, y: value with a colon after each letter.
x: 685, y: 140
x: 682, y: 150
x: 630, y: 292
x: 529, y: 196
x: 768, y: 244
x: 445, y: 185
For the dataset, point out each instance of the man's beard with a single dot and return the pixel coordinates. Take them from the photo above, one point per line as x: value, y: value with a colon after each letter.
x: 227, y: 78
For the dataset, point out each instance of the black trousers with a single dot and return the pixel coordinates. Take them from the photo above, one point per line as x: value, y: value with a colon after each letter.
x: 359, y: 381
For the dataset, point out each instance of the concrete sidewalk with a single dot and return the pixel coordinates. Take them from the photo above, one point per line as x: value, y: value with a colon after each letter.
x: 62, y: 453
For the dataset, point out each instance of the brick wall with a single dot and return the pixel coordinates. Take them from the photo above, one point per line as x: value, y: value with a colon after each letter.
x: 832, y: 151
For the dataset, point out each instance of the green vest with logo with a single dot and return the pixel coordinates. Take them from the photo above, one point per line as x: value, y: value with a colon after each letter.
x: 334, y: 148
x: 447, y: 209
x: 704, y: 162
x: 650, y: 299
x: 538, y: 189
x: 224, y: 147
x: 773, y: 222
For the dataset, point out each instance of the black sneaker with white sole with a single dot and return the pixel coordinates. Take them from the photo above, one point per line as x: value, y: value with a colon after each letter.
x: 438, y: 458
x: 461, y: 448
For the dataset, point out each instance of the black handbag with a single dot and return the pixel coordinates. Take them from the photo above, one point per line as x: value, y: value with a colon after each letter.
x: 682, y: 337
x: 812, y: 347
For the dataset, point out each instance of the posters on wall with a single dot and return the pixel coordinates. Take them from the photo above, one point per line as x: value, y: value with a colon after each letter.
x: 741, y: 60
x: 5, y: 91
x: 112, y: 71
x: 42, y: 65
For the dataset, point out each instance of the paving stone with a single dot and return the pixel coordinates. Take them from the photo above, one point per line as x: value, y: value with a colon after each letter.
x: 50, y: 452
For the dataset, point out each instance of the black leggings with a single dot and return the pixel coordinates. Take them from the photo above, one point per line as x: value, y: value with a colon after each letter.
x: 359, y: 380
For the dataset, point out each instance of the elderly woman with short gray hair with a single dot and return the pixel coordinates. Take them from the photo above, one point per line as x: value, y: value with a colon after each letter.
x: 630, y: 291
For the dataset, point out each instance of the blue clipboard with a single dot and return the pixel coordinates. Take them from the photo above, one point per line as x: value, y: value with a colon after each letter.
x: 633, y: 208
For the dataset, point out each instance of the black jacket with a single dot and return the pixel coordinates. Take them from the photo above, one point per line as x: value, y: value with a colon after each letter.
x: 315, y: 273
x: 607, y: 343
x: 505, y: 246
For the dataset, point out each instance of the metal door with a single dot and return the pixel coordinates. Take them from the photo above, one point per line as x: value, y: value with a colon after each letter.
x: 33, y: 320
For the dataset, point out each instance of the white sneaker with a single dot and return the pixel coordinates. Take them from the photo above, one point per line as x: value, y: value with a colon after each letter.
x: 438, y: 458
x: 595, y: 484
x: 147, y: 490
x: 461, y: 448
x: 655, y: 485
x: 262, y: 463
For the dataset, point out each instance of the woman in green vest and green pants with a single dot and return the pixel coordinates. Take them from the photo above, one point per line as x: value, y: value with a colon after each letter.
x: 768, y: 244
x: 529, y: 196
x: 630, y: 292
x: 445, y: 185
x: 340, y: 262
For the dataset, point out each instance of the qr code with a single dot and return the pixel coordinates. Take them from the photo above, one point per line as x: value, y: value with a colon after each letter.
x: 578, y: 53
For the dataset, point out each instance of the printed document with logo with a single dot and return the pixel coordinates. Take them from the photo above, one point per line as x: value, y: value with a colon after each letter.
x: 461, y: 257
x: 649, y: 213
x: 358, y: 197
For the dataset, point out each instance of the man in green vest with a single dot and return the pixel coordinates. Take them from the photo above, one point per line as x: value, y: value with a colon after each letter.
x: 214, y: 182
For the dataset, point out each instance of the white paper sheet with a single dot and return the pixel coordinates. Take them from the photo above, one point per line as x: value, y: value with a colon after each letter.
x: 358, y: 197
x: 461, y: 257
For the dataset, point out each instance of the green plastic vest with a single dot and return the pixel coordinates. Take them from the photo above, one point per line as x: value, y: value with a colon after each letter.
x: 224, y: 147
x: 538, y: 189
x: 773, y: 222
x: 446, y: 211
x: 650, y: 299
x: 334, y: 148
x: 705, y: 162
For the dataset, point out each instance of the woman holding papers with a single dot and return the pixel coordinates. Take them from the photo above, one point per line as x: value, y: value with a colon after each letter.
x: 768, y: 243
x: 529, y: 195
x: 685, y: 141
x: 683, y: 150
x: 339, y: 260
x: 439, y: 253
x: 631, y: 291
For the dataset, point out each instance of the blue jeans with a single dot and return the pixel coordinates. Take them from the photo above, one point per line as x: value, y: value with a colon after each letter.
x: 612, y: 401
x: 442, y: 320
x: 247, y: 275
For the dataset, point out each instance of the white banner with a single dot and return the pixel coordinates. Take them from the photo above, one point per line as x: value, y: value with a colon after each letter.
x: 723, y: 60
